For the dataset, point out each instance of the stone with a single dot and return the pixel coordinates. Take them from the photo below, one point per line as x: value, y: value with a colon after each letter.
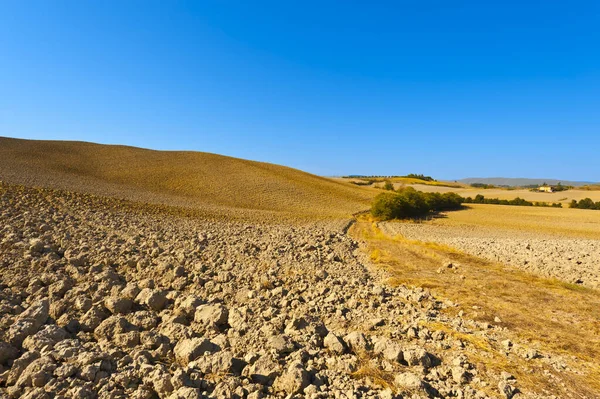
x: 7, y: 352
x: 186, y: 393
x: 357, y: 342
x: 29, y: 322
x: 293, y: 380
x: 47, y: 338
x: 187, y: 306
x: 389, y: 349
x: 417, y: 357
x: 154, y: 299
x: 190, y: 349
x: 213, y: 315
x: 408, y: 381
x: 334, y: 343
x: 263, y: 371
x: 459, y: 375
x: 506, y: 390
x: 282, y: 344
x: 118, y: 305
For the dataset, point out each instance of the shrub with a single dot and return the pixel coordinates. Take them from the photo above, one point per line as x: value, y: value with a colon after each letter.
x: 586, y: 203
x: 388, y: 186
x: 410, y: 203
x: 420, y: 177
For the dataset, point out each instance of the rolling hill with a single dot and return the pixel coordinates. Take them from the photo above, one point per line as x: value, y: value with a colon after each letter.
x: 213, y: 183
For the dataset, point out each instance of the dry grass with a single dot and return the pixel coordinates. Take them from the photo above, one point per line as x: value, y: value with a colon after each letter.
x: 215, y: 183
x: 553, y: 316
x: 578, y: 223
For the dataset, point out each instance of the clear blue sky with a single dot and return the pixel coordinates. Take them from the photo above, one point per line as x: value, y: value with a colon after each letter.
x: 446, y: 88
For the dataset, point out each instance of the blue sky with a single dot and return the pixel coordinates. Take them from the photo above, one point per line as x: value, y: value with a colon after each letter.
x: 449, y: 89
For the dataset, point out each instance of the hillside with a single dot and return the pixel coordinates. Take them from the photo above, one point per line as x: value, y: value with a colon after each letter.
x: 520, y: 182
x: 212, y: 183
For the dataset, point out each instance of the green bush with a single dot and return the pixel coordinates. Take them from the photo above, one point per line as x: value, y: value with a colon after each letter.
x: 410, y: 203
x: 586, y: 203
x: 388, y: 186
x: 419, y: 177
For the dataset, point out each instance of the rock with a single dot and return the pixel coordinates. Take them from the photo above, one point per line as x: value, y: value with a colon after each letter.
x: 282, y: 344
x: 47, y: 337
x: 7, y: 352
x: 187, y: 306
x: 357, y: 342
x: 59, y: 288
x: 222, y: 362
x: 417, y: 357
x: 36, y: 246
x: 126, y: 340
x: 118, y: 305
x: 237, y: 319
x: 293, y: 380
x: 389, y: 349
x: 154, y: 299
x: 377, y: 322
x: 408, y: 381
x: 263, y: 371
x: 334, y: 343
x: 459, y: 375
x: 506, y: 390
x: 130, y: 291
x: 213, y: 315
x: 92, y: 318
x: 37, y: 373
x: 29, y: 322
x: 19, y: 365
x: 507, y: 344
x: 188, y: 350
x: 186, y: 393
x: 112, y: 326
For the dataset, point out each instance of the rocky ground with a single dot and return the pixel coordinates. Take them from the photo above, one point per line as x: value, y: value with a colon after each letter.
x: 102, y: 299
x: 573, y: 260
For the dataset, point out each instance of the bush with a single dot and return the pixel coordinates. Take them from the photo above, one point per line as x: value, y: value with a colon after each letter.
x: 419, y: 177
x: 410, y: 203
x: 388, y: 186
x: 586, y: 203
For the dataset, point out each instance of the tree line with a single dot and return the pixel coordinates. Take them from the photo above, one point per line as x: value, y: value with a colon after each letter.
x: 406, y: 203
x: 586, y: 203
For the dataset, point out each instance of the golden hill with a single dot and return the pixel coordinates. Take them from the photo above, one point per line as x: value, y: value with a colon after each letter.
x: 213, y: 183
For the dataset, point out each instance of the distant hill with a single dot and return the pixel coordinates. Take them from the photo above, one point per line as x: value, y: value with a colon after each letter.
x: 213, y: 183
x: 519, y: 182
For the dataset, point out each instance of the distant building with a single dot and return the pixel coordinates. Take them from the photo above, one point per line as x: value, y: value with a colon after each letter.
x: 546, y: 189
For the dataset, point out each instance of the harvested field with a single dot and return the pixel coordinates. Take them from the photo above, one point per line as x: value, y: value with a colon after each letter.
x: 546, y: 241
x: 113, y: 299
x: 213, y: 185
